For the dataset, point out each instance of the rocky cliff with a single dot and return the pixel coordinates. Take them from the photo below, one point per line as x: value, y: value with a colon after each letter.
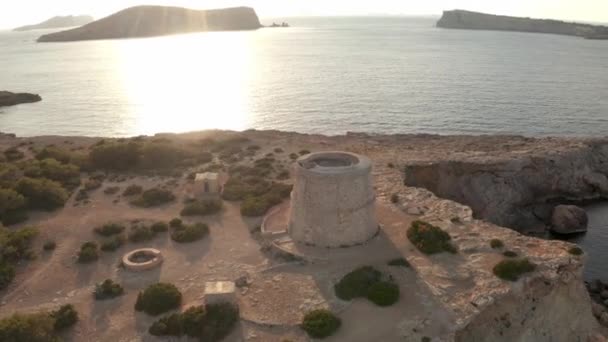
x: 459, y: 19
x: 10, y: 99
x: 148, y: 21
x: 58, y: 22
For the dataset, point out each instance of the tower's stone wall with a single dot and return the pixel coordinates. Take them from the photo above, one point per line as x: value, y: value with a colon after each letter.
x: 333, y: 201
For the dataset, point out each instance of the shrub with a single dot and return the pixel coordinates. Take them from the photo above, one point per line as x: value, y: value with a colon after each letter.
x: 113, y: 244
x: 115, y: 156
x: 15, y: 244
x: 357, y: 283
x: 13, y: 154
x: 496, y: 243
x: 159, y: 227
x: 153, y: 197
x: 320, y: 323
x: 259, y: 205
x: 161, y: 155
x: 64, y: 317
x: 383, y: 293
x: 278, y: 150
x: 108, y: 289
x: 175, y: 223
x: 391, y: 165
x: 575, y: 251
x: 429, y: 239
x: 42, y: 193
x: 202, y: 207
x: 14, y: 217
x: 171, y: 325
x: 190, y: 233
x: 7, y: 274
x: 132, y: 190
x: 509, y: 254
x: 399, y: 262
x: 109, y: 229
x: 303, y: 152
x: 283, y: 175
x: 38, y: 327
x: 111, y: 190
x: 66, y: 174
x: 49, y: 245
x: 293, y: 156
x: 56, y: 153
x: 158, y: 298
x: 512, y: 269
x: 394, y: 198
x: 88, y: 252
x: 10, y: 202
x: 140, y: 233
x: 92, y: 184
x: 211, y: 322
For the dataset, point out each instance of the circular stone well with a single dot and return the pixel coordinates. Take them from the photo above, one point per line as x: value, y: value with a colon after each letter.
x: 333, y: 201
x: 142, y: 259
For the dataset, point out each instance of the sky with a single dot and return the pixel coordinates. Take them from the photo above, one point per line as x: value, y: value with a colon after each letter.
x: 22, y: 12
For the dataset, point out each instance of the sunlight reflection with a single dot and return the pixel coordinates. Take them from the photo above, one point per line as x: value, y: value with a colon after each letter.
x: 186, y: 82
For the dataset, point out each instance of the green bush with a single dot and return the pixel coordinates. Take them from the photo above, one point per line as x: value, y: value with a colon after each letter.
x: 512, y: 269
x: 383, y: 293
x: 158, y: 298
x: 303, y: 152
x: 113, y: 244
x: 399, y: 262
x: 394, y: 198
x: 153, y: 197
x: 357, y: 283
x: 202, y: 207
x: 320, y: 323
x: 42, y: 193
x: 88, y: 253
x: 38, y: 327
x: 67, y: 175
x: 190, y: 233
x: 509, y: 254
x: 171, y: 325
x: 92, y: 184
x: 49, y: 245
x: 141, y: 233
x: 14, y: 246
x: 111, y: 190
x: 259, y: 205
x: 7, y: 274
x: 575, y: 251
x: 13, y: 154
x: 429, y: 239
x: 175, y: 223
x: 52, y: 152
x: 10, y: 203
x: 107, y: 289
x: 132, y: 190
x: 110, y: 229
x: 496, y: 243
x: 211, y: 322
x: 159, y: 227
x: 115, y: 156
x: 64, y: 317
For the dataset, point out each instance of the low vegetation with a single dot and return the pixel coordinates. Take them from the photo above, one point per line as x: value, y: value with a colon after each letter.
x: 320, y: 323
x: 113, y: 243
x: 259, y: 205
x: 158, y: 298
x: 496, y: 243
x: 88, y: 252
x: 429, y: 239
x: 109, y: 229
x: 141, y: 233
x: 513, y: 269
x: 394, y: 198
x: 367, y: 282
x: 202, y: 207
x: 211, y: 322
x: 107, y: 289
x: 14, y: 246
x: 159, y: 227
x: 383, y: 293
x: 38, y: 327
x: 509, y: 254
x: 189, y: 233
x: 132, y: 190
x: 49, y: 245
x: 399, y: 262
x: 153, y: 197
x: 42, y: 193
x: 575, y: 251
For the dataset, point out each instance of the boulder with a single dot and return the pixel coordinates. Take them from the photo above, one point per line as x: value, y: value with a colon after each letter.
x: 604, y: 294
x: 10, y: 99
x: 569, y: 219
x: 597, y: 309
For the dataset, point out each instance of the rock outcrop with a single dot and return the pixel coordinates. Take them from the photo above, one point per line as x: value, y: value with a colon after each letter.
x: 10, y: 99
x: 460, y: 19
x: 569, y: 219
x: 519, y: 190
x: 149, y: 21
x: 58, y: 22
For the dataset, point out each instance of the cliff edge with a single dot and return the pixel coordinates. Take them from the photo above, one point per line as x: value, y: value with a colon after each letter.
x: 149, y: 21
x: 460, y: 19
x: 58, y: 22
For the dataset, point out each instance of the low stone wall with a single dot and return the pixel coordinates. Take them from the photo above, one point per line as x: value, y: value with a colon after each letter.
x: 156, y: 260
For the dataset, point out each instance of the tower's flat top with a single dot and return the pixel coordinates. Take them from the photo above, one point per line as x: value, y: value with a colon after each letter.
x: 206, y: 176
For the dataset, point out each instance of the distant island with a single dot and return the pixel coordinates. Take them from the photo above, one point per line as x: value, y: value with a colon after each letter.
x: 149, y: 21
x: 8, y: 98
x: 58, y: 22
x: 460, y: 19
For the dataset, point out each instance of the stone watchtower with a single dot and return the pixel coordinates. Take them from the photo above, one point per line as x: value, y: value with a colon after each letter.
x: 333, y: 201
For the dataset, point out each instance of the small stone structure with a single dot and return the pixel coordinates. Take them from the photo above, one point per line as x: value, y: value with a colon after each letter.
x: 142, y: 259
x: 206, y: 184
x: 333, y: 201
x: 220, y: 292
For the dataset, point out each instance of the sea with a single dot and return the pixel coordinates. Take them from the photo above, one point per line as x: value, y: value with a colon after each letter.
x: 325, y: 75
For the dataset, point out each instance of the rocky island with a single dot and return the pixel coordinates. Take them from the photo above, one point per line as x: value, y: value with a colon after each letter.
x: 58, y: 22
x: 461, y: 19
x: 8, y: 98
x: 149, y: 21
x: 438, y: 270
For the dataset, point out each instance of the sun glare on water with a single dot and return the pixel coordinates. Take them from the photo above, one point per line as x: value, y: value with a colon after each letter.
x: 185, y: 82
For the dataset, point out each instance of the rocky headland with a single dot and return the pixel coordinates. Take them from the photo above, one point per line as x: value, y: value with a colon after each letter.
x: 460, y: 19
x: 444, y: 297
x: 149, y: 21
x: 58, y: 22
x: 8, y: 98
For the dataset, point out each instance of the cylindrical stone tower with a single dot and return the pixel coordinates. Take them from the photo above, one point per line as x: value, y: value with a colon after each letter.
x: 332, y: 202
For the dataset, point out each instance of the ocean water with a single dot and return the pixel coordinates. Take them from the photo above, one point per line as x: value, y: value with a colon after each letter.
x: 322, y: 75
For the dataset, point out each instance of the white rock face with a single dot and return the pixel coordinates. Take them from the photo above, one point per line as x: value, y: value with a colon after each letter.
x: 332, y: 202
